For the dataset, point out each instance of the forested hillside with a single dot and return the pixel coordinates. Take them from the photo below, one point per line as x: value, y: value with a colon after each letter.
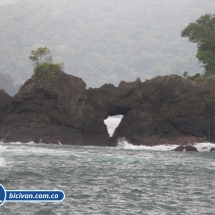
x: 101, y: 41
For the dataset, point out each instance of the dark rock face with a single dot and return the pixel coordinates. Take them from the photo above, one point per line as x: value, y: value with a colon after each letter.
x: 109, y: 100
x: 58, y: 108
x: 52, y: 110
x: 186, y: 148
x: 173, y: 111
x: 5, y: 101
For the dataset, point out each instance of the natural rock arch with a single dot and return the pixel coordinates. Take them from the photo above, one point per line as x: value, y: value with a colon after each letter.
x: 166, y: 109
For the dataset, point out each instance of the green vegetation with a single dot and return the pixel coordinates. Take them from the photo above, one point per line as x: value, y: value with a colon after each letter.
x: 45, y: 67
x: 42, y: 61
x: 202, y: 32
x: 40, y: 56
x: 101, y: 41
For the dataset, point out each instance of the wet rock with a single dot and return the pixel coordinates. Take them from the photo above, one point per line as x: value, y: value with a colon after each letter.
x: 179, y: 149
x: 212, y: 149
x: 186, y: 148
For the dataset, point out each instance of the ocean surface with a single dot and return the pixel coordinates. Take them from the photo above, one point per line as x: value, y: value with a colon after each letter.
x: 100, y: 180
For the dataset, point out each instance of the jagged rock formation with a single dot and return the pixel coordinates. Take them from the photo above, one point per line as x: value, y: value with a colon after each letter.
x: 173, y: 110
x: 52, y: 110
x: 59, y: 109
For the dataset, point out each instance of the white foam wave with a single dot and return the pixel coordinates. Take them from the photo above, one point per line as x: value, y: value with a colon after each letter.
x: 202, y: 147
x: 26, y: 149
x: 35, y: 148
x: 125, y: 145
x: 2, y: 162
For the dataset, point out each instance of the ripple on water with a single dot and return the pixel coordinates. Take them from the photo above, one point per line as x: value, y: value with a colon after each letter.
x: 110, y: 180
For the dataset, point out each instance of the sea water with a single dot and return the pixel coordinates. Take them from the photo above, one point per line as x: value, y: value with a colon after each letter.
x: 126, y: 179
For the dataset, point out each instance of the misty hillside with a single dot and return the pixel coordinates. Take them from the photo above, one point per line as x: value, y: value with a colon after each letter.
x: 5, y: 1
x: 101, y: 41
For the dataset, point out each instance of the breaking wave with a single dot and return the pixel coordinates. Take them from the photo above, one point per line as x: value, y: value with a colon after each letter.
x: 202, y: 147
x: 2, y: 162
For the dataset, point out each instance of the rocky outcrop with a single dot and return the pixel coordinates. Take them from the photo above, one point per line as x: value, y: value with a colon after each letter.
x: 186, y: 148
x: 173, y: 111
x: 52, y: 110
x: 59, y: 109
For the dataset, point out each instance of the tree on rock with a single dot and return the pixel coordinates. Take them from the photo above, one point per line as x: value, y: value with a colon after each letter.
x: 40, y: 56
x: 42, y: 61
x: 202, y: 32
